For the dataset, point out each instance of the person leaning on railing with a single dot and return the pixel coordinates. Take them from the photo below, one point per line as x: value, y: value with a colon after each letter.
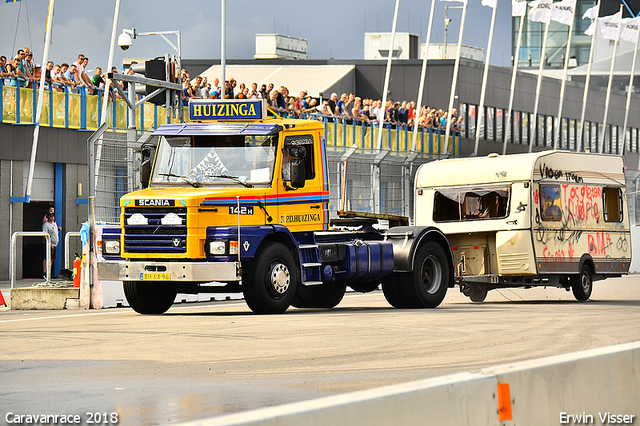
x: 3, y: 69
x: 20, y: 73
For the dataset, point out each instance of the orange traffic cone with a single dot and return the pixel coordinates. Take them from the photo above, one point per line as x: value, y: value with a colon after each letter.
x: 2, y: 302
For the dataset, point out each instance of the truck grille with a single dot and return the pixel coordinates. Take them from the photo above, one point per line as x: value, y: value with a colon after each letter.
x: 155, y: 237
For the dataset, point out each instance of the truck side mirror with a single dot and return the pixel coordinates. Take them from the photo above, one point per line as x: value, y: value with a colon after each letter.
x: 298, y: 166
x: 145, y: 167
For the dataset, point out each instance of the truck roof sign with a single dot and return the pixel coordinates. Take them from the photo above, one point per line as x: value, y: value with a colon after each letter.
x: 227, y: 109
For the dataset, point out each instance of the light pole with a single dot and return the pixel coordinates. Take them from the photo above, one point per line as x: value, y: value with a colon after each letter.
x: 447, y: 21
x: 125, y: 40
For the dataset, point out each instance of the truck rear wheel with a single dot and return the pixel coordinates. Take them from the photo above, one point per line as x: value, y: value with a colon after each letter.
x: 269, y: 283
x: 429, y: 280
x: 393, y: 288
x: 319, y: 296
x: 583, y: 286
x: 149, y: 297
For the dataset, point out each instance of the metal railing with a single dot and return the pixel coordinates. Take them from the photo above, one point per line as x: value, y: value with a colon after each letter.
x: 83, y: 112
x: 13, y: 254
x: 67, y: 238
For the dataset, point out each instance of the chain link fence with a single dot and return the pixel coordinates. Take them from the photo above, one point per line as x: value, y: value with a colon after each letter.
x: 117, y: 161
x: 395, y: 181
x: 116, y: 172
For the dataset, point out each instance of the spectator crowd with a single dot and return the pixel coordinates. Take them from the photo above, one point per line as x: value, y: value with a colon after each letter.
x: 23, y: 71
x: 347, y: 108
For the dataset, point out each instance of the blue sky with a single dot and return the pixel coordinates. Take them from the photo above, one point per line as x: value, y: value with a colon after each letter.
x: 333, y: 28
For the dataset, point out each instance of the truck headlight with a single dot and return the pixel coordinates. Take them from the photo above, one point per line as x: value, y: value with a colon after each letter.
x: 171, y: 219
x: 137, y: 219
x: 111, y: 246
x: 218, y: 247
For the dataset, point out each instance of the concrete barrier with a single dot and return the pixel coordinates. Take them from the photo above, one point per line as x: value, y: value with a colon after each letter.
x: 600, y: 386
x: 42, y: 298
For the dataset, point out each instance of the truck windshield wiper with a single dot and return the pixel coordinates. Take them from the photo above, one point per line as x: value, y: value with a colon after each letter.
x: 235, y: 178
x: 185, y: 179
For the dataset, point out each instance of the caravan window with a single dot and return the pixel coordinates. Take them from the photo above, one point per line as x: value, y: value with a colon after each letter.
x: 550, y: 207
x: 471, y: 203
x: 612, y: 202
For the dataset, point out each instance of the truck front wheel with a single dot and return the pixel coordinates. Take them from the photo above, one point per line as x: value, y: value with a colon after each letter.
x: 149, y: 297
x: 269, y: 282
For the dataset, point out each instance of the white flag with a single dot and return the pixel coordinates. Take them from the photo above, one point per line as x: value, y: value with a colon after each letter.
x: 563, y: 12
x: 630, y: 32
x: 540, y: 11
x: 490, y: 3
x: 518, y: 7
x: 592, y: 14
x: 610, y: 26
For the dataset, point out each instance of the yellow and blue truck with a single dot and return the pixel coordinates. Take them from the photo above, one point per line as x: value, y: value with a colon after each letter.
x: 237, y: 201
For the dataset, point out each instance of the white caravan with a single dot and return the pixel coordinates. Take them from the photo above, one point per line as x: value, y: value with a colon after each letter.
x: 552, y: 218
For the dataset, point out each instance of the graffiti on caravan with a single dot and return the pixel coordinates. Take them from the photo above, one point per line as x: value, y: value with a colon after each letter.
x: 548, y: 172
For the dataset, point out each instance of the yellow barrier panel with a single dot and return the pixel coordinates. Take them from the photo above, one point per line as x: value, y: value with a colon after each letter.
x: 92, y: 112
x: 162, y: 116
x: 58, y: 109
x: 9, y: 104
x: 121, y: 114
x: 26, y: 105
x: 74, y: 110
x: 149, y: 115
x: 44, y: 114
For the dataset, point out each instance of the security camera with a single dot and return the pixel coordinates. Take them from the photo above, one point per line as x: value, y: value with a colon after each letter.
x: 124, y: 41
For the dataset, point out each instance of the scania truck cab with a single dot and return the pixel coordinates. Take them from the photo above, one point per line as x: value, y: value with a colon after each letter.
x: 237, y: 201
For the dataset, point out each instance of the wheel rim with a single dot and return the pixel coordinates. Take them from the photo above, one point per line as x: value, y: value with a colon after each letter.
x: 431, y: 274
x: 586, y: 283
x: 279, y: 277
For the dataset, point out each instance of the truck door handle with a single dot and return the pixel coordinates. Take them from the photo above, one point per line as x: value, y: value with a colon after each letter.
x: 315, y: 207
x: 512, y: 222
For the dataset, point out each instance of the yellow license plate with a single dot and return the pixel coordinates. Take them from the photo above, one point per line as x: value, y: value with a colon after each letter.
x: 156, y: 276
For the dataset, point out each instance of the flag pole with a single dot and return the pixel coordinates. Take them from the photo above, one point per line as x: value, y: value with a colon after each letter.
x: 36, y: 130
x: 513, y: 81
x: 564, y: 83
x: 387, y: 76
x: 608, y: 98
x: 423, y: 75
x: 454, y: 81
x: 106, y: 96
x: 629, y: 91
x: 586, y: 83
x: 483, y: 90
x: 112, y: 47
x: 534, y: 124
x: 223, y: 49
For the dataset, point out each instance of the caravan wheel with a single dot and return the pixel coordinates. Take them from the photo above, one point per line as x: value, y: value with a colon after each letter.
x: 583, y: 286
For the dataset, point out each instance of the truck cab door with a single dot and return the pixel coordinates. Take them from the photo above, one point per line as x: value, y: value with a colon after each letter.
x: 303, y: 194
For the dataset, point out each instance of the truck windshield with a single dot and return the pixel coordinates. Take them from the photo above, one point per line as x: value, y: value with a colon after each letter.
x: 215, y: 159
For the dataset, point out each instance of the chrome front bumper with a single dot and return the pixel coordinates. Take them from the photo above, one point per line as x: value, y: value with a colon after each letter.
x: 180, y: 271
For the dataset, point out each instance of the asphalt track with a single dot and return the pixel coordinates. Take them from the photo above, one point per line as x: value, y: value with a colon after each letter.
x: 202, y: 360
